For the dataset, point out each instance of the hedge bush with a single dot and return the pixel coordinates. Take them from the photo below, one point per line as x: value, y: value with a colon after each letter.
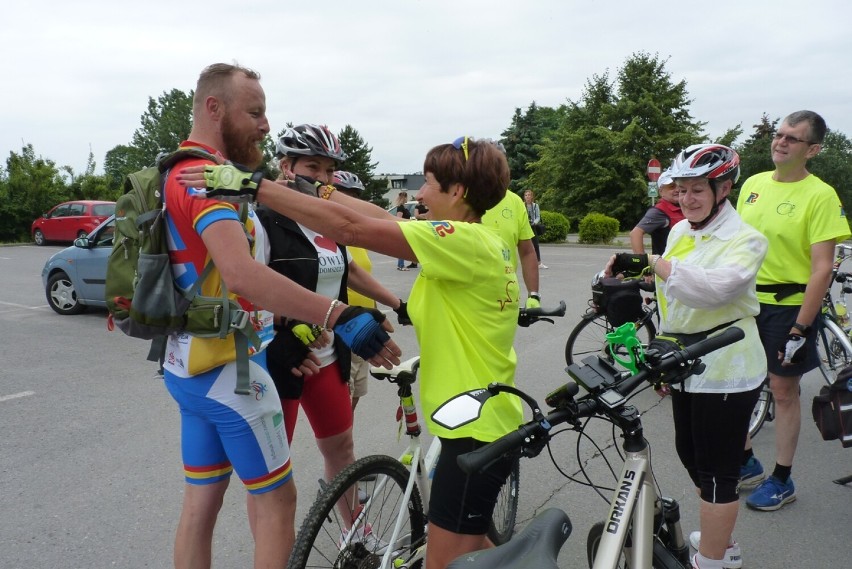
x: 557, y: 227
x: 597, y: 228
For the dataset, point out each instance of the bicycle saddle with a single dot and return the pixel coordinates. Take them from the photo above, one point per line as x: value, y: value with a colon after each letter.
x: 536, y: 547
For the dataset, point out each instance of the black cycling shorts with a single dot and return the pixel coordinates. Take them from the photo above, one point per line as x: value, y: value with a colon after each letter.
x: 464, y: 503
x: 773, y: 324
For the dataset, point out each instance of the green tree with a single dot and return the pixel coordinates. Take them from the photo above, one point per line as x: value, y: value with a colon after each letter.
x: 165, y: 124
x: 31, y: 186
x: 523, y: 138
x: 359, y: 162
x: 595, y: 160
x: 120, y: 161
x: 834, y: 166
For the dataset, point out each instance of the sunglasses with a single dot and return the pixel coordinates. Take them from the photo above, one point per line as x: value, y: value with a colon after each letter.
x: 790, y: 139
x: 461, y: 144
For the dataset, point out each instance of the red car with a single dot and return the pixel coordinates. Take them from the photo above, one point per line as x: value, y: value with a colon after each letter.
x: 70, y: 220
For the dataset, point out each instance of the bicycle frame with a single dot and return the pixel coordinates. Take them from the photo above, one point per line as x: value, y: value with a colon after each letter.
x: 420, y: 472
x: 633, y: 506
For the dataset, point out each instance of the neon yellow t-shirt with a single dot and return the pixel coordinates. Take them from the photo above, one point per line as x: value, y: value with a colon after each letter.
x: 792, y: 216
x: 360, y: 257
x: 464, y: 306
x: 510, y: 218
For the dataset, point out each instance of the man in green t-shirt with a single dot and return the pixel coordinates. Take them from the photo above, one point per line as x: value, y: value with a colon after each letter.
x: 510, y: 219
x: 803, y: 219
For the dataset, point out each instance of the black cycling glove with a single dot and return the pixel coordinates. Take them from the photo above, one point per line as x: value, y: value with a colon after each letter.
x: 402, y: 313
x: 793, y: 349
x: 361, y: 329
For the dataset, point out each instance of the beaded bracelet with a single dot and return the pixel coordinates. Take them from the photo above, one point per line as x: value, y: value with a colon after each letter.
x: 654, y: 264
x: 331, y: 306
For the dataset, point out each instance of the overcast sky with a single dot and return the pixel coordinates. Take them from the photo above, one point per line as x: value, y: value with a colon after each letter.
x: 407, y: 74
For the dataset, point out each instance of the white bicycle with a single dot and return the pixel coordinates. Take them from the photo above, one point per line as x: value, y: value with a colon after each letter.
x: 642, y: 529
x: 387, y: 498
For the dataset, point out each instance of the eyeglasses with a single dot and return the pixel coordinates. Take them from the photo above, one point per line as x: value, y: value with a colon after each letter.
x: 461, y: 144
x: 790, y: 139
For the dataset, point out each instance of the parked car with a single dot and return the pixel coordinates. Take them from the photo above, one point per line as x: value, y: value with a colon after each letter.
x: 74, y: 278
x: 70, y: 220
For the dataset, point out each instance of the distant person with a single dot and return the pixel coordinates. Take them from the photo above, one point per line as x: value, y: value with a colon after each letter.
x: 803, y: 219
x: 401, y: 211
x: 534, y: 216
x: 511, y: 220
x: 222, y: 431
x: 659, y: 219
x: 420, y: 211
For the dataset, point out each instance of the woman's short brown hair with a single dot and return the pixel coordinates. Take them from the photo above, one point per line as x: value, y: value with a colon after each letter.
x: 484, y: 173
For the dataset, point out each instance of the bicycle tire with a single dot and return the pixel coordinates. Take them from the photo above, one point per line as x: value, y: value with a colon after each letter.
x: 502, y: 524
x: 662, y: 558
x: 589, y: 337
x: 318, y: 543
x: 834, y: 349
x: 761, y: 409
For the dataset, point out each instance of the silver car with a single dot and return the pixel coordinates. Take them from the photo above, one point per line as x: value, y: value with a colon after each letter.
x: 74, y: 278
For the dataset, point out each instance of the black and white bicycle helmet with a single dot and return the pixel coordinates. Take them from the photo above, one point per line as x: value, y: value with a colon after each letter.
x: 712, y: 161
x: 347, y: 181
x: 309, y: 140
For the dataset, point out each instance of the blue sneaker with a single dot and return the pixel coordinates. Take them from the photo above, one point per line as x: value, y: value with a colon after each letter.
x: 751, y: 474
x: 772, y: 494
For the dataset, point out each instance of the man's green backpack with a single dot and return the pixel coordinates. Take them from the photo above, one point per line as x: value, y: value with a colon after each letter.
x: 141, y: 295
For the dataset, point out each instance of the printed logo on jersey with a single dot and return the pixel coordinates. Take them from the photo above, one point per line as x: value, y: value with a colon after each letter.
x: 325, y: 243
x: 752, y: 197
x: 785, y: 208
x: 259, y: 389
x: 442, y: 228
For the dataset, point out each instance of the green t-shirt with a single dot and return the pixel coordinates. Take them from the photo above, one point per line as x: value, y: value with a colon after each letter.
x: 792, y: 216
x: 464, y: 306
x: 510, y: 218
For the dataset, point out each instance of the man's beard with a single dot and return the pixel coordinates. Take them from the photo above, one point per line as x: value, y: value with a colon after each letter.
x: 240, y: 149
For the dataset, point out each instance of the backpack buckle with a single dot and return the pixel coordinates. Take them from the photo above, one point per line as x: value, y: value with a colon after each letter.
x: 239, y: 319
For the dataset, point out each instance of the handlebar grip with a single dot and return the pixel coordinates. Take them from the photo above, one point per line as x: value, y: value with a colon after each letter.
x: 477, y: 460
x: 726, y: 338
x: 540, y: 312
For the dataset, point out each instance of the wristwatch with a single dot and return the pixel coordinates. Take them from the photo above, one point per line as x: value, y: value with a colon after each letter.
x: 535, y: 295
x: 803, y: 328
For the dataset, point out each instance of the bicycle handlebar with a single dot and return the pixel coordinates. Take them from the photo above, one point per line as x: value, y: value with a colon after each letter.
x: 531, y: 437
x: 527, y: 316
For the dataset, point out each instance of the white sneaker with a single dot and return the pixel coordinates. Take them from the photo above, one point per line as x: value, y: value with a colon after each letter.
x: 733, y: 555
x: 542, y: 266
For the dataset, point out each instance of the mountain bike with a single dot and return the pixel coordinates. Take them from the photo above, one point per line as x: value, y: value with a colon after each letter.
x: 642, y: 528
x: 387, y: 498
x: 589, y: 336
x: 833, y: 341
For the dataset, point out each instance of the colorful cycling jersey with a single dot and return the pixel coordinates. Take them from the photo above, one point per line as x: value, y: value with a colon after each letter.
x: 510, y: 218
x: 464, y: 306
x: 187, y: 218
x: 793, y: 216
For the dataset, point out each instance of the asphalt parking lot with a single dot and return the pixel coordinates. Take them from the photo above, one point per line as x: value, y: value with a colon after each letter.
x: 90, y: 472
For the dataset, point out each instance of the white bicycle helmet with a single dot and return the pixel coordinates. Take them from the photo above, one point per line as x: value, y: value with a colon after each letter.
x: 711, y: 161
x: 309, y: 140
x: 347, y: 181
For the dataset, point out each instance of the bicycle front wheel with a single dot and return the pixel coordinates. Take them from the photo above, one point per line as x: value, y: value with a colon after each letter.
x: 373, y: 491
x: 589, y: 338
x: 502, y: 524
x: 760, y: 413
x: 834, y: 348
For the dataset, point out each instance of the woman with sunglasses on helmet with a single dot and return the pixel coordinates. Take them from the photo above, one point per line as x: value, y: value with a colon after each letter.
x: 706, y: 282
x: 463, y: 305
x: 311, y: 366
